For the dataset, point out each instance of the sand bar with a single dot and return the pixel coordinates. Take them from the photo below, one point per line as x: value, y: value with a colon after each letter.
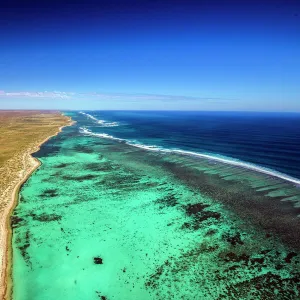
x: 21, y: 134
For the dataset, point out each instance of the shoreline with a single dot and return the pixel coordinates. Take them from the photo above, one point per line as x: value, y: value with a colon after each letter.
x: 30, y: 165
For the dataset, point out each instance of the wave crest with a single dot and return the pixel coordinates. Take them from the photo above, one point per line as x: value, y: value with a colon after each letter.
x: 226, y: 160
x: 103, y: 123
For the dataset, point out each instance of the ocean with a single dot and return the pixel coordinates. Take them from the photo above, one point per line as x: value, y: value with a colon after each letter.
x: 269, y: 140
x: 162, y: 205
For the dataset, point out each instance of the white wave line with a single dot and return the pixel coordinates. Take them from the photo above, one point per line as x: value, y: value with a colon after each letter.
x: 103, y: 123
x: 245, y: 165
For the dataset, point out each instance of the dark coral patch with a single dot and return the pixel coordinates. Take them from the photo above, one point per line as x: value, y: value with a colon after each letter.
x: 199, y: 214
x: 203, y: 216
x: 169, y: 200
x: 192, y: 209
x: 101, y: 296
x: 232, y: 257
x: 211, y: 232
x: 234, y: 239
x: 23, y: 248
x: 61, y: 166
x: 47, y: 150
x: 46, y: 217
x: 80, y: 178
x: 98, y: 167
x: 208, y: 215
x: 83, y: 149
x: 257, y: 260
x: 50, y: 193
x: 266, y: 286
x: 15, y: 221
x: 98, y: 260
x: 153, y: 280
x: 289, y: 257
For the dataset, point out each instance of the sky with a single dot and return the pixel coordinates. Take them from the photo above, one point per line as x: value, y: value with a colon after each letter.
x: 149, y: 55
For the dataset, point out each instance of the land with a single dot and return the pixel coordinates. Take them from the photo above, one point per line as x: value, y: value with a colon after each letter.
x: 21, y: 134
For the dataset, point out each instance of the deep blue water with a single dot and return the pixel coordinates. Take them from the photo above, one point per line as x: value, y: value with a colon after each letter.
x: 269, y: 140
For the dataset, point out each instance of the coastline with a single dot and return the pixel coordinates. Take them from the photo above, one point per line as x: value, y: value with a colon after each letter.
x: 217, y: 219
x: 30, y: 164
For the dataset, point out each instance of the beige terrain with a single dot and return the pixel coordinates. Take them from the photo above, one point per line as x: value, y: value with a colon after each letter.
x: 21, y: 134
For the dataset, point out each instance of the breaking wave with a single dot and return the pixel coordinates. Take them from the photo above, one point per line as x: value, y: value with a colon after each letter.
x: 103, y: 123
x: 222, y: 159
x: 128, y: 142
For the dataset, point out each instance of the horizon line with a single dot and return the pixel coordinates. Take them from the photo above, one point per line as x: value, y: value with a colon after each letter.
x: 145, y: 110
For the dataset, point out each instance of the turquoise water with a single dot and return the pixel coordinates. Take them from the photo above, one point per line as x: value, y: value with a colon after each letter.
x: 101, y: 219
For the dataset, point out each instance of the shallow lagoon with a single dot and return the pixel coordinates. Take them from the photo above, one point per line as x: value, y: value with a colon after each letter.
x: 104, y: 220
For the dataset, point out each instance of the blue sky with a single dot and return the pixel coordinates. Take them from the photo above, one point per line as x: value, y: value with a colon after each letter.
x: 183, y: 55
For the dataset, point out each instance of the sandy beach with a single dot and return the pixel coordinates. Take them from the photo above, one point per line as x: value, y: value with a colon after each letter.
x: 16, y: 169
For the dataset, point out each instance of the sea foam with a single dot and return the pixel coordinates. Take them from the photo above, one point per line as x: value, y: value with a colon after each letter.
x: 222, y: 159
x: 103, y: 123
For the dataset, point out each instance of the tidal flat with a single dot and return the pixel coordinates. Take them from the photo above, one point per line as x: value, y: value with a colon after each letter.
x: 102, y: 219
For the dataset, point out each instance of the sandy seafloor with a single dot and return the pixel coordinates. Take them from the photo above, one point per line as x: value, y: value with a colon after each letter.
x: 104, y: 220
